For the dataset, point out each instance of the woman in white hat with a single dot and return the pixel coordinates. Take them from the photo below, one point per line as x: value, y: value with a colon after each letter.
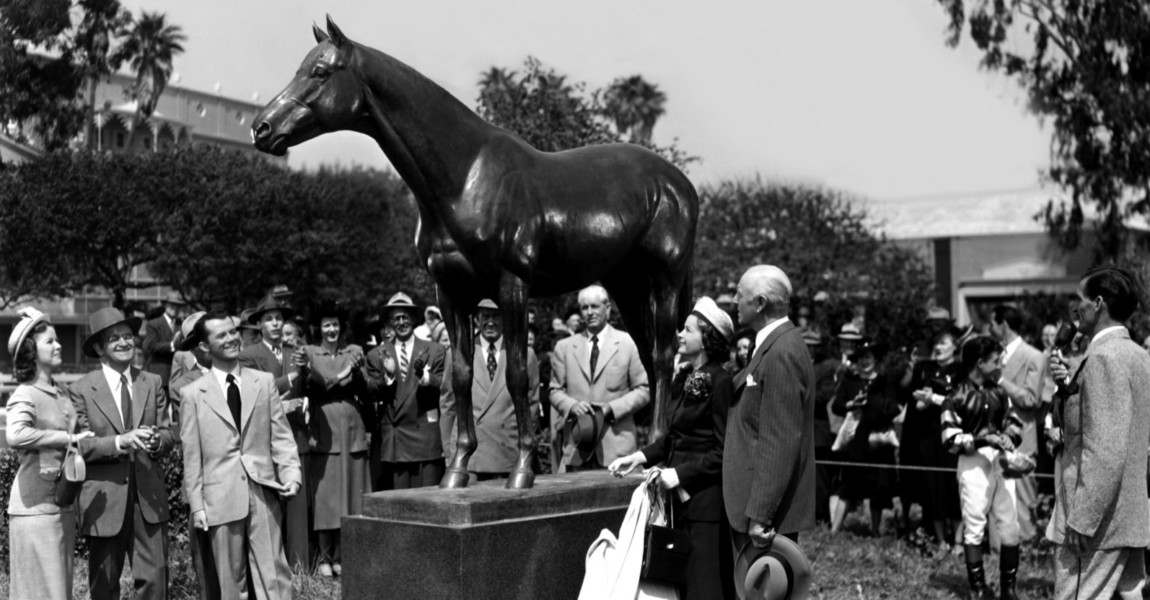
x: 692, y: 450
x: 41, y: 425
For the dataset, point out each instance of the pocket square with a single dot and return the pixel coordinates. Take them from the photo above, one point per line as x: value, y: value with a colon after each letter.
x: 751, y: 380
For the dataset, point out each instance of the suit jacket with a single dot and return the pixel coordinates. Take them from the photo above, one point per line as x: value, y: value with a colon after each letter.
x: 182, y: 362
x: 496, y: 428
x: 769, y: 458
x: 1101, y: 471
x: 693, y: 445
x: 1023, y: 378
x: 619, y: 381
x: 158, y: 352
x: 261, y: 358
x: 405, y: 415
x: 104, y: 497
x: 219, y: 458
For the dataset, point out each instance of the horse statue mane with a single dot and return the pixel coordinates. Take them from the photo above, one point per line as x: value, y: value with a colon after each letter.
x: 499, y: 219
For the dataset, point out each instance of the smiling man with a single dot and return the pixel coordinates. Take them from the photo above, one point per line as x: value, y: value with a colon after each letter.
x: 236, y: 440
x: 123, y: 505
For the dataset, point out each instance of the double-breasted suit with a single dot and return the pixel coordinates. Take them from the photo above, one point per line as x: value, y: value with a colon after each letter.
x: 496, y: 428
x: 619, y: 381
x: 405, y: 410
x: 158, y: 351
x: 769, y: 458
x: 1100, y: 473
x: 123, y: 504
x: 221, y: 460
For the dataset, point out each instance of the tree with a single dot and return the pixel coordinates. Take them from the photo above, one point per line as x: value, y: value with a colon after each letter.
x: 1085, y: 65
x: 149, y: 49
x: 551, y: 114
x: 635, y: 105
x: 823, y: 242
x: 102, y: 22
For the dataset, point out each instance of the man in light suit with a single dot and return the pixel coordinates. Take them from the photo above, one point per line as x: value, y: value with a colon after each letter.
x: 496, y: 429
x: 237, y: 439
x: 403, y: 378
x: 1100, y: 523
x: 1023, y: 368
x: 272, y: 356
x: 159, y: 339
x: 123, y: 504
x: 769, y: 457
x: 596, y: 370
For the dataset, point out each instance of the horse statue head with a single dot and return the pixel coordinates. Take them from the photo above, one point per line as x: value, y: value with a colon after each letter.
x: 324, y: 96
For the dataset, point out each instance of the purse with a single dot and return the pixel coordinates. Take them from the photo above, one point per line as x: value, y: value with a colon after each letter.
x: 73, y: 471
x: 665, y: 549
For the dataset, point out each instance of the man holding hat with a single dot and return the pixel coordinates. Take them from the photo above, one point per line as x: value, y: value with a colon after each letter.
x: 159, y: 338
x: 123, y: 504
x: 404, y: 377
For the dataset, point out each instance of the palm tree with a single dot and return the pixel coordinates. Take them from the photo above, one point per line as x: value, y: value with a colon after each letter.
x: 149, y: 48
x: 635, y: 105
x: 103, y: 20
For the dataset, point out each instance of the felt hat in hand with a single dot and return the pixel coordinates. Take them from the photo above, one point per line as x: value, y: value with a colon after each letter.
x: 583, y: 432
x: 780, y: 571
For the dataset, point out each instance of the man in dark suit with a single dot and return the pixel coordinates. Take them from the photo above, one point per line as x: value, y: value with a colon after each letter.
x: 496, y: 429
x: 123, y: 504
x: 240, y: 463
x: 159, y: 335
x: 271, y: 356
x: 769, y: 458
x: 1100, y: 522
x: 403, y: 378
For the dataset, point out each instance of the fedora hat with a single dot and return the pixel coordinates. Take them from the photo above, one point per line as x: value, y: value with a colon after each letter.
x: 268, y: 304
x: 850, y: 331
x: 779, y: 572
x: 936, y: 313
x: 103, y: 320
x: 583, y: 432
x: 29, y: 318
x: 400, y: 301
x: 184, y: 339
x: 174, y: 298
x: 245, y: 319
x: 487, y: 304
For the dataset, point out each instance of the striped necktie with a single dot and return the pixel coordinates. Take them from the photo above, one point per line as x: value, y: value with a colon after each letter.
x: 402, y: 361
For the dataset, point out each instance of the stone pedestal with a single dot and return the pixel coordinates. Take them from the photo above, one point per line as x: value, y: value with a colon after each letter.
x: 481, y: 542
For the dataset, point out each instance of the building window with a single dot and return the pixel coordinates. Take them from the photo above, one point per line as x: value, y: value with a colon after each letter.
x: 121, y: 140
x: 240, y: 118
x: 201, y: 110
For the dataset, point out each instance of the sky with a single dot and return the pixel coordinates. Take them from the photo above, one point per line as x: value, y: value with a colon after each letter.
x: 858, y: 95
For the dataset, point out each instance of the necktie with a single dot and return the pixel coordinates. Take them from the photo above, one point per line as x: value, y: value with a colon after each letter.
x: 492, y: 363
x: 402, y: 361
x: 279, y: 354
x: 125, y: 403
x: 594, y: 353
x: 234, y: 400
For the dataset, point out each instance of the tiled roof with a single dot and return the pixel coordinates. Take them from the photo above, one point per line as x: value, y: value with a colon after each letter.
x: 977, y: 214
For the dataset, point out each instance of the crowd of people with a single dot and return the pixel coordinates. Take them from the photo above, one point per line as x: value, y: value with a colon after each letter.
x: 773, y: 426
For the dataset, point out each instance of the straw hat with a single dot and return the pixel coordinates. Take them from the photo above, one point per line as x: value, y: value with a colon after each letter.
x: 29, y: 319
x: 779, y: 572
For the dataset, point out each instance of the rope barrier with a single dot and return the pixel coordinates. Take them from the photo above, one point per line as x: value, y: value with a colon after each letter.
x: 840, y: 463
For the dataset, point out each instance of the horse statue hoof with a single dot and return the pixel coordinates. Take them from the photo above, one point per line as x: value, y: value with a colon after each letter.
x: 521, y: 480
x: 454, y: 479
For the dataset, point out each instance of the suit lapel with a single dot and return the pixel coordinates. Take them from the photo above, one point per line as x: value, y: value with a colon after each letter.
x: 406, y: 389
x: 497, y: 384
x: 479, y: 369
x: 756, y: 360
x: 141, y: 396
x: 582, y: 348
x: 104, y: 401
x: 608, y: 348
x: 216, y: 400
x: 249, y: 394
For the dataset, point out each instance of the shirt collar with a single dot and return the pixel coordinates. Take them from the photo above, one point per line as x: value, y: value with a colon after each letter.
x: 269, y: 346
x: 1104, y: 332
x: 602, y: 333
x: 485, y: 344
x: 113, y: 377
x: 762, y: 334
x: 222, y: 376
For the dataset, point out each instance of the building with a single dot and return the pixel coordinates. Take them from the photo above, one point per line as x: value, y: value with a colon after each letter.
x: 182, y: 116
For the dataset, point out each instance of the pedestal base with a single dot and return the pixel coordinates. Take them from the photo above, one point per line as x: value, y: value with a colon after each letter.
x: 482, y: 542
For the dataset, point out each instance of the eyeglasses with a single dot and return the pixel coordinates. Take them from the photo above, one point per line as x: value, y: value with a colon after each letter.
x: 123, y: 337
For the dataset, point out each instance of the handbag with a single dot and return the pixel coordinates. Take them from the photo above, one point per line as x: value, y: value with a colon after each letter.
x: 883, y: 439
x: 73, y: 471
x: 847, y: 431
x: 665, y: 549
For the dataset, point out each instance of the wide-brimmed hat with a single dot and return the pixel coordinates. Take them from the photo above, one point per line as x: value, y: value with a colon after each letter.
x: 268, y: 304
x: 183, y: 340
x: 245, y: 319
x: 709, y: 311
x: 487, y: 304
x: 103, y: 320
x: 174, y: 298
x: 779, y: 572
x: 583, y: 432
x: 29, y: 319
x: 937, y: 313
x: 432, y: 310
x: 850, y: 331
x: 400, y: 301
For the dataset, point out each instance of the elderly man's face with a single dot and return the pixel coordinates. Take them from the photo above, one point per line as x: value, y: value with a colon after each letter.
x: 747, y: 302
x: 490, y: 325
x: 402, y: 322
x: 117, y: 346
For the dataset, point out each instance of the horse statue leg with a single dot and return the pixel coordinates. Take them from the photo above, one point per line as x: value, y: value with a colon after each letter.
x: 462, y: 353
x: 513, y: 306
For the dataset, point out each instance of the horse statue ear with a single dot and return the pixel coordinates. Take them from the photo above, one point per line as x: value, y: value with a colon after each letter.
x: 320, y: 35
x: 337, y: 37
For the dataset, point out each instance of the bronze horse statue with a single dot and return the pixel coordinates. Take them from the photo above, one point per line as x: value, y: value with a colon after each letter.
x: 499, y: 219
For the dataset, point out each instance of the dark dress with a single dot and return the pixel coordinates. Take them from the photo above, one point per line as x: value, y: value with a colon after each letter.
x: 935, y: 492
x: 877, y: 484
x: 693, y: 446
x: 338, y: 437
x: 827, y: 477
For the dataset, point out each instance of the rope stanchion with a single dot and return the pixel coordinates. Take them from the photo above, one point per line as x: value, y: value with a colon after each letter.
x: 842, y: 463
